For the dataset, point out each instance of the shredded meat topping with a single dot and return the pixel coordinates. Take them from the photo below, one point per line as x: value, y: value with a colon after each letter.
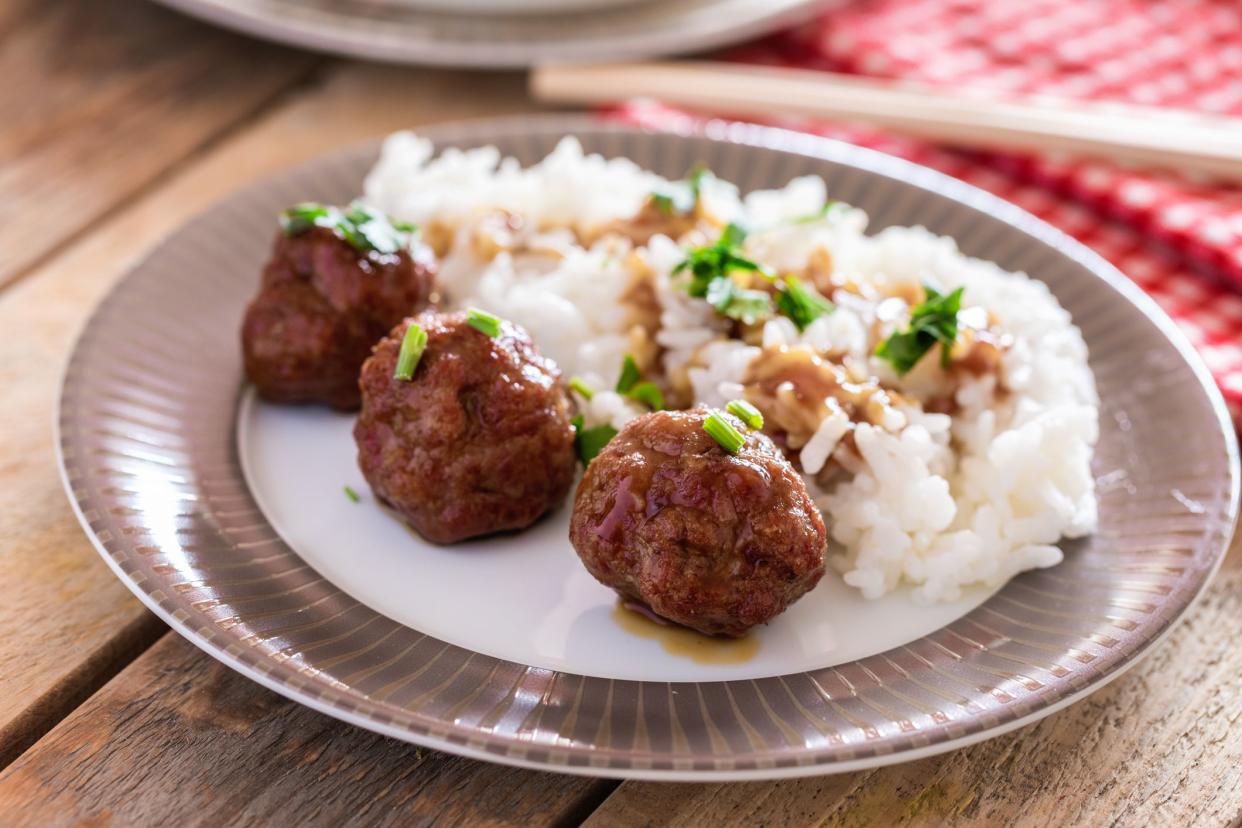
x: 438, y: 235
x: 795, y: 389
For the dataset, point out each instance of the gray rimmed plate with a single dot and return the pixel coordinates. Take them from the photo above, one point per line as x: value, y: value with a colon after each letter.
x: 392, y: 30
x: 170, y: 466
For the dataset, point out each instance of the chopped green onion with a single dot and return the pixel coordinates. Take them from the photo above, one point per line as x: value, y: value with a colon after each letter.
x: 629, y: 375
x: 746, y: 412
x: 933, y: 321
x: 584, y: 390
x: 352, y: 495
x: 723, y: 432
x: 366, y: 230
x: 802, y: 304
x: 647, y: 393
x: 412, y: 346
x: 483, y: 322
x: 589, y: 442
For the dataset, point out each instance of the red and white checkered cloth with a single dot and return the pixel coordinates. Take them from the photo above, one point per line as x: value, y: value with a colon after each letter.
x: 1181, y: 240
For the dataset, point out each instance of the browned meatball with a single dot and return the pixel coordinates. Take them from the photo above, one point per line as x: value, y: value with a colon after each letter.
x: 718, y: 542
x: 478, y: 441
x: 322, y: 305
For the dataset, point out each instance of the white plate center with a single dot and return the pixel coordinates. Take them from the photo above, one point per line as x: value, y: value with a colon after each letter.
x: 525, y: 597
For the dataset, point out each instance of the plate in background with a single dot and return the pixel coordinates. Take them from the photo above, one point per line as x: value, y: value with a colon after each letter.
x: 148, y: 432
x: 514, y: 7
x: 391, y: 30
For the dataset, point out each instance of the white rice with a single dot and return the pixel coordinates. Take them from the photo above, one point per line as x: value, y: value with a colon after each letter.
x: 933, y: 501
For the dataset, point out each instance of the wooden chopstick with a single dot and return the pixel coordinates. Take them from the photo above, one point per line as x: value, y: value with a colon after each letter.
x: 1175, y: 139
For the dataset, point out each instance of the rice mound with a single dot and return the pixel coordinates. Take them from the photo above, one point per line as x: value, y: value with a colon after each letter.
x: 935, y: 500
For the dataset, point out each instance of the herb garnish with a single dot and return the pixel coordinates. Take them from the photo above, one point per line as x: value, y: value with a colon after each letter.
x: 589, y: 442
x: 745, y: 412
x: 629, y: 385
x: 352, y: 495
x: 584, y: 390
x: 647, y: 393
x: 629, y: 374
x: 682, y: 196
x: 412, y: 346
x: 710, y: 277
x: 366, y: 230
x: 723, y: 432
x: 801, y: 303
x: 483, y: 322
x: 934, y: 320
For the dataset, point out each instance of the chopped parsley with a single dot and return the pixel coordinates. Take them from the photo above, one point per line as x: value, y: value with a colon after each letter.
x: 630, y: 385
x: 647, y: 393
x: 932, y: 321
x: 352, y: 495
x: 747, y: 305
x: 667, y: 203
x: 629, y: 375
x: 711, y: 270
x: 589, y: 442
x: 723, y: 432
x: 366, y: 230
x: 801, y: 303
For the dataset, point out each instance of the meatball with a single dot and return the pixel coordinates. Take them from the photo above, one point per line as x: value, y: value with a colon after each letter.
x: 478, y: 441
x: 715, y: 541
x: 323, y: 303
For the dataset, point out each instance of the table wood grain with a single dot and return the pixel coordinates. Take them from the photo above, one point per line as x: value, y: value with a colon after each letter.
x: 178, y: 733
x: 101, y: 97
x: 127, y: 120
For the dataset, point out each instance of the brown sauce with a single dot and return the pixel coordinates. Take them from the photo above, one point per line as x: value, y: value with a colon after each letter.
x: 684, y: 642
x: 643, y: 318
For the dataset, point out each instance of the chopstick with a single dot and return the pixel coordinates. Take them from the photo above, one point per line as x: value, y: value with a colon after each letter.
x: 1145, y: 136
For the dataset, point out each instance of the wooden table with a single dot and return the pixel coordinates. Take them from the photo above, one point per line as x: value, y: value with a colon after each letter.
x: 120, y: 120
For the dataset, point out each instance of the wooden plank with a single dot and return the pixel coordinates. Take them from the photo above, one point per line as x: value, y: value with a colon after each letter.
x: 1163, y: 741
x: 66, y: 624
x: 179, y: 737
x: 102, y: 96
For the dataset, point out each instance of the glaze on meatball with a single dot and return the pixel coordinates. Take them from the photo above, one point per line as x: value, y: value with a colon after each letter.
x: 478, y: 441
x: 323, y: 303
x: 715, y: 541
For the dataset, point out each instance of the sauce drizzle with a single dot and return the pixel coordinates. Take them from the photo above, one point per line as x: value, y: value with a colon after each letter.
x: 684, y: 642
